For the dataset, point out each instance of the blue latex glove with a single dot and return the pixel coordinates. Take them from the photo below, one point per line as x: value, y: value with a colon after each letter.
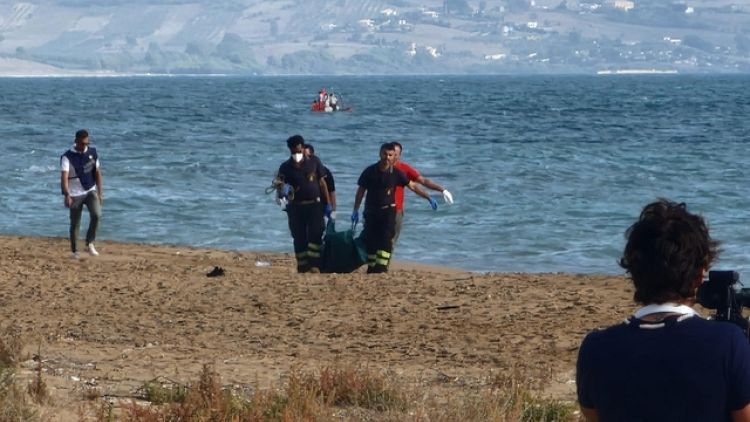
x: 355, y: 217
x: 433, y: 203
x: 327, y: 210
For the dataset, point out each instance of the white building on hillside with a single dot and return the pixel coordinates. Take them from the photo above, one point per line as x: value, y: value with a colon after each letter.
x: 366, y: 23
x: 624, y: 4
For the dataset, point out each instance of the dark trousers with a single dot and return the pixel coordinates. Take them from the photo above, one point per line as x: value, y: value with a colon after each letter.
x: 91, y: 201
x: 380, y: 227
x: 306, y: 225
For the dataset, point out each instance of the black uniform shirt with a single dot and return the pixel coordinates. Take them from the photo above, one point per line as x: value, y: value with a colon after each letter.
x: 303, y: 179
x: 329, y: 182
x: 381, y: 186
x: 329, y: 179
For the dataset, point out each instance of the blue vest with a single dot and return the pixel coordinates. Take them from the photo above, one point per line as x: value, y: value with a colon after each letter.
x: 85, y: 166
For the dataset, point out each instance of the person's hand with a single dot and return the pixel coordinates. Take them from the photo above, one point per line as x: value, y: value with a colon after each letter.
x: 355, y: 216
x: 101, y: 199
x: 433, y: 203
x: 68, y: 201
x: 333, y: 215
x: 327, y: 210
x: 447, y: 197
x: 285, y: 191
x: 281, y: 202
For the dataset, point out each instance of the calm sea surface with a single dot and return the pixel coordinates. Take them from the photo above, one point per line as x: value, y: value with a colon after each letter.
x: 547, y: 172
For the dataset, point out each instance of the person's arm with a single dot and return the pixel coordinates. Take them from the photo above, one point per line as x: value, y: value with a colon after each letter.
x: 99, y: 184
x: 67, y: 199
x: 358, y: 197
x: 278, y: 183
x: 415, y: 176
x: 64, y: 186
x: 331, y: 188
x: 590, y: 414
x: 324, y: 190
x: 357, y: 202
x: 429, y: 184
x: 447, y: 196
x: 321, y: 173
x: 419, y: 191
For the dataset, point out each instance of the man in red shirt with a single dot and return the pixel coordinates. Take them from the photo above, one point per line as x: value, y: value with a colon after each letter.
x: 413, y: 175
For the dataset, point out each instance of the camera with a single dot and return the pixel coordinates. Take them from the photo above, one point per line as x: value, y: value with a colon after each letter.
x: 721, y: 293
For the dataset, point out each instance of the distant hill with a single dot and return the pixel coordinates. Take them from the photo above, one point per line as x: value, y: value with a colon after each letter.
x: 376, y: 36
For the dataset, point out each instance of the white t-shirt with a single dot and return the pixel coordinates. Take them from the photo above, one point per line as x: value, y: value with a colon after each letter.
x: 75, y: 188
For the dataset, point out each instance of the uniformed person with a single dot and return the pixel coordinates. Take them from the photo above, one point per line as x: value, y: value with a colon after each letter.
x: 305, y: 189
x: 379, y: 181
x: 330, y: 182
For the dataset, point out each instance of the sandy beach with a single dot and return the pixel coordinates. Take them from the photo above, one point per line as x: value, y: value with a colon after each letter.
x: 138, y: 312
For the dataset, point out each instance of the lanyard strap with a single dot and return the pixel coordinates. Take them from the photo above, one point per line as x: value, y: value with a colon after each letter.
x: 657, y: 308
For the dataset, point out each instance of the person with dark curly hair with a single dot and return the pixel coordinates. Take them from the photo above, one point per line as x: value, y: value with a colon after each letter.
x: 666, y: 363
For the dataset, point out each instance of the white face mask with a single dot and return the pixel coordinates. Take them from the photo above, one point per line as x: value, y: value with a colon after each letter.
x: 297, y: 157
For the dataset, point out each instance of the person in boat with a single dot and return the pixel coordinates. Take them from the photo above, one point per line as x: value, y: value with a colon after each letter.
x: 333, y: 101
x: 666, y: 363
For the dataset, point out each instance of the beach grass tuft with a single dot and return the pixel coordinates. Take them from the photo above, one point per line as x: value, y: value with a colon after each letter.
x: 14, y: 401
x: 10, y: 346
x: 342, y: 393
x: 37, y: 388
x: 160, y: 392
x: 359, y: 387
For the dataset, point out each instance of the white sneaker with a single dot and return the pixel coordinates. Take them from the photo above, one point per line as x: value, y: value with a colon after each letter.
x: 75, y: 255
x: 92, y: 249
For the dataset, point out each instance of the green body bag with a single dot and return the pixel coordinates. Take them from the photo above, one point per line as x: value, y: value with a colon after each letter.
x: 342, y: 252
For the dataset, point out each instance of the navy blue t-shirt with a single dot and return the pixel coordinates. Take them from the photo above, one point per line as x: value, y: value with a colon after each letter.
x: 689, y: 370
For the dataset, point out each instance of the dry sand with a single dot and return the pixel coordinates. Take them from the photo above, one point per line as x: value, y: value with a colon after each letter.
x: 138, y: 312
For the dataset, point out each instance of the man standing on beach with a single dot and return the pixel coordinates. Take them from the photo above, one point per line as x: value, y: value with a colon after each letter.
x: 310, y: 152
x: 413, y: 176
x: 81, y: 184
x: 305, y: 189
x: 379, y: 181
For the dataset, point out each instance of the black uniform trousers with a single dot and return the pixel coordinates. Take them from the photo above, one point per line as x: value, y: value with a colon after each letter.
x: 306, y: 224
x: 380, y: 227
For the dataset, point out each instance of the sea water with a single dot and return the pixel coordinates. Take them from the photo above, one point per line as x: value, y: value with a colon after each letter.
x: 547, y: 172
